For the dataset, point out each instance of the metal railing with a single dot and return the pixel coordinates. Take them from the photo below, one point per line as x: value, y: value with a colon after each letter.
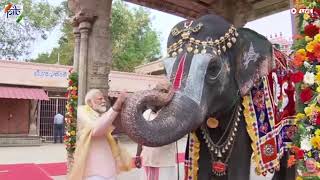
x: 47, y: 111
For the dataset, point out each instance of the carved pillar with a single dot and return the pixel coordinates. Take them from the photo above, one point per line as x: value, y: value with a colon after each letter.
x: 33, y: 118
x: 100, y: 56
x: 238, y: 12
x: 38, y: 118
x: 76, y: 52
x: 234, y: 11
x: 84, y: 28
x: 95, y: 47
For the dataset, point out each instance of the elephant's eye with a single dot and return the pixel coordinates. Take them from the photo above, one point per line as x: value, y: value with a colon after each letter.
x: 214, y: 70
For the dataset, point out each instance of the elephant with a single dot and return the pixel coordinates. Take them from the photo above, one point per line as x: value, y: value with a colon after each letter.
x: 211, y: 66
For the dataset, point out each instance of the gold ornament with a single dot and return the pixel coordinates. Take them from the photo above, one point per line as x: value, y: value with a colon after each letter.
x: 212, y: 122
x: 185, y: 35
x: 203, y: 51
x: 222, y: 43
x: 187, y: 29
x: 196, y: 51
x: 229, y: 44
x: 224, y: 48
x: 214, y: 52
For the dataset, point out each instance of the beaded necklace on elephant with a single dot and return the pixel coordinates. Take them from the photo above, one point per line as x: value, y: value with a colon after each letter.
x: 217, y: 150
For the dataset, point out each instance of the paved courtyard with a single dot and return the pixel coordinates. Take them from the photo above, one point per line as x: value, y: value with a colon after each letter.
x: 53, y: 153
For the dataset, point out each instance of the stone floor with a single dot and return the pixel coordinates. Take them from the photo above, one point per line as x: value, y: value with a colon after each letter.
x: 49, y: 153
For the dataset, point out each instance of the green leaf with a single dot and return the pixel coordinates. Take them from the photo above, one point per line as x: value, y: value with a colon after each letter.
x: 129, y: 48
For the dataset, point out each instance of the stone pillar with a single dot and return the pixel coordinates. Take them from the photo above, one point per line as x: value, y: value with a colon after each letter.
x: 95, y: 55
x: 235, y: 12
x: 33, y: 118
x: 84, y: 28
x: 76, y: 52
x: 38, y: 117
x: 100, y: 53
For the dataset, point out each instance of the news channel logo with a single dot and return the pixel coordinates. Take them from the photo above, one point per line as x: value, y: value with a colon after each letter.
x: 12, y: 12
x: 301, y: 11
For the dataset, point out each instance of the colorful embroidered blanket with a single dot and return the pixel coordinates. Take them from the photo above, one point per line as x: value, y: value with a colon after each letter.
x: 269, y: 111
x: 191, y: 157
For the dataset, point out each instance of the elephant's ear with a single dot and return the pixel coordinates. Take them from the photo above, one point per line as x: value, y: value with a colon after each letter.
x: 254, y: 59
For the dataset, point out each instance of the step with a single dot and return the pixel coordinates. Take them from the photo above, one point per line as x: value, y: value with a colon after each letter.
x: 6, y: 141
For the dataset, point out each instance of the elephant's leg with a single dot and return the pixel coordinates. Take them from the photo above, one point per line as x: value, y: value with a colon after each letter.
x: 285, y: 173
x: 239, y: 163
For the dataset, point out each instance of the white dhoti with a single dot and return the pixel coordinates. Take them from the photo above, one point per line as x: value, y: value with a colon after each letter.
x: 100, y: 178
x: 160, y: 173
x: 160, y: 163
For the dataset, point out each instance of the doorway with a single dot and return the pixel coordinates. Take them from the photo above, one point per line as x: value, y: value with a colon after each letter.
x: 47, y: 111
x: 14, y: 116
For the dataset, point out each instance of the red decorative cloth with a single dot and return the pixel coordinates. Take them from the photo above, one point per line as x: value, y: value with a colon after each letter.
x: 269, y: 114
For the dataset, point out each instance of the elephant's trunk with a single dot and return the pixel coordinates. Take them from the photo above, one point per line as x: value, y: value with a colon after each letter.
x: 173, y: 121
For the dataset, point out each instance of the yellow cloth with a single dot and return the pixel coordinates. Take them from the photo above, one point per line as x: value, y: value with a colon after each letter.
x: 121, y: 156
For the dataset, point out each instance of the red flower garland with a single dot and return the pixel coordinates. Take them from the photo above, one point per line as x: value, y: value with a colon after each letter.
x: 311, y: 57
x: 300, y: 154
x: 297, y: 77
x: 306, y: 95
x: 317, y: 121
x: 316, y: 13
x: 311, y: 30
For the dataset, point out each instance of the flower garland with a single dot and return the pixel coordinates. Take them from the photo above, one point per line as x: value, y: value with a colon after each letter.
x: 305, y: 152
x: 71, y: 116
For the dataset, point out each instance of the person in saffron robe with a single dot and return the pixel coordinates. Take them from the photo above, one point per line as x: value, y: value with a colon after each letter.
x: 98, y: 156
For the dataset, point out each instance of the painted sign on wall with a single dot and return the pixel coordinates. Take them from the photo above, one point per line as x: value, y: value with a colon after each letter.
x: 32, y: 74
x: 52, y: 74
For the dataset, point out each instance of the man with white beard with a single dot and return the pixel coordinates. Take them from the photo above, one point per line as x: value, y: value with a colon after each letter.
x: 98, y: 156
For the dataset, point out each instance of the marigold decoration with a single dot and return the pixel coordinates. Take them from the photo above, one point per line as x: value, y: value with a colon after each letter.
x: 306, y: 149
x: 291, y: 161
x: 71, y: 116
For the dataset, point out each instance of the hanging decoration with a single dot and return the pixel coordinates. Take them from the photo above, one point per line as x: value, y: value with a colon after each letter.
x: 71, y: 116
x: 306, y: 149
x: 192, y: 156
x: 221, y: 150
x: 269, y: 112
x: 215, y: 46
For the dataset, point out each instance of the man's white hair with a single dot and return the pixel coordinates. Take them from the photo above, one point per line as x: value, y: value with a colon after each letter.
x: 90, y: 95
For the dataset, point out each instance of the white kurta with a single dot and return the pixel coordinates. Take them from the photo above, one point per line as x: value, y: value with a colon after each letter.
x: 162, y: 158
x: 100, y: 161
